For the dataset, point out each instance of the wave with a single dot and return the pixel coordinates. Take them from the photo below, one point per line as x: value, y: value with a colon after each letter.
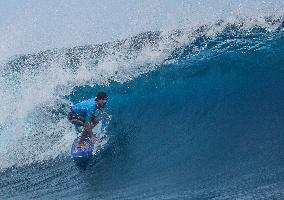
x: 196, y: 111
x: 36, y: 85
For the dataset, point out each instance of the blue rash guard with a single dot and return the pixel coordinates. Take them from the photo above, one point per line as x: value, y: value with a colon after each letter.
x: 86, y: 109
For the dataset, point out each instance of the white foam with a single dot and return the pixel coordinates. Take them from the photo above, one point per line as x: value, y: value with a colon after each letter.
x: 57, y: 24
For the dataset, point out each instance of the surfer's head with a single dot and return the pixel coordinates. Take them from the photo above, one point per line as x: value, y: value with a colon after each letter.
x: 101, y: 99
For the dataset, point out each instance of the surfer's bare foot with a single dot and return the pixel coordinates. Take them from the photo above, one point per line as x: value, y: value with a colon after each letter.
x: 82, y: 145
x: 94, y: 139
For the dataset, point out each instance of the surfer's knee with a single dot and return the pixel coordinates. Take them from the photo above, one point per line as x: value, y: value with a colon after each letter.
x: 75, y: 119
x: 77, y: 122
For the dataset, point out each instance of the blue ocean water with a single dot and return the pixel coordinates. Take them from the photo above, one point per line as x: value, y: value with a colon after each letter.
x: 193, y: 117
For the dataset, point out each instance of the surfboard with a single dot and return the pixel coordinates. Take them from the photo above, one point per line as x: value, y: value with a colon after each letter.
x: 92, y: 149
x: 82, y: 152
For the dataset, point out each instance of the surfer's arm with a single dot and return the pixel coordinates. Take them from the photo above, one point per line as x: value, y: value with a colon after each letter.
x: 105, y: 114
x: 90, y: 123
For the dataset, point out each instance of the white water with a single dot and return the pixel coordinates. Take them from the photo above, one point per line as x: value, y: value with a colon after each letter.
x: 32, y: 25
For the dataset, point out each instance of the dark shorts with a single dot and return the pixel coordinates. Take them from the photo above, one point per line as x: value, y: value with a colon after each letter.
x: 76, y: 119
x: 79, y: 120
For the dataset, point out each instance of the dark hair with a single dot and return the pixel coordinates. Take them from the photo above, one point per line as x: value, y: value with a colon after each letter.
x: 102, y: 95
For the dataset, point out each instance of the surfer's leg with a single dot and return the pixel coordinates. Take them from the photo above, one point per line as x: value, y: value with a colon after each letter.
x: 86, y: 133
x: 82, y: 139
x: 93, y: 135
x: 94, y: 138
x: 79, y: 122
x: 89, y: 133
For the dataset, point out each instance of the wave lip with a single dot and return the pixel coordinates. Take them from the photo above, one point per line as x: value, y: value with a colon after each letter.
x: 73, y: 24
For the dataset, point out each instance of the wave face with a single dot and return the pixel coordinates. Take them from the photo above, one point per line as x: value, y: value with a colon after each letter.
x: 196, y: 114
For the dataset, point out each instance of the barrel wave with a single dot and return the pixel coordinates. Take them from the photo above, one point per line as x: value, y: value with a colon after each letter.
x: 195, y: 114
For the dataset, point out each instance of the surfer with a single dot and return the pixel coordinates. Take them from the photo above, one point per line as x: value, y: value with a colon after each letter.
x: 87, y: 114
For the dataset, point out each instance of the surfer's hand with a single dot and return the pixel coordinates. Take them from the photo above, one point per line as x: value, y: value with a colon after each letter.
x: 106, y: 114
